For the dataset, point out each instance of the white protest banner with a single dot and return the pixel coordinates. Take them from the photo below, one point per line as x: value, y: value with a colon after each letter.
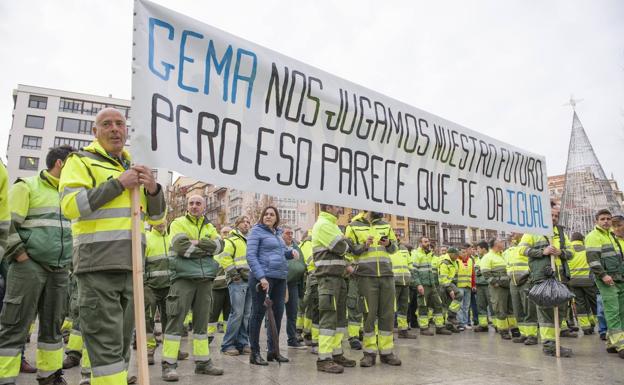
x: 232, y: 113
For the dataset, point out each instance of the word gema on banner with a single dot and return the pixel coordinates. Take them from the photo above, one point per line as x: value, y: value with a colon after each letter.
x: 232, y: 113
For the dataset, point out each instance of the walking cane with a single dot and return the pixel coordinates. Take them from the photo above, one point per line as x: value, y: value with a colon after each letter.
x: 137, y: 288
x: 556, y: 310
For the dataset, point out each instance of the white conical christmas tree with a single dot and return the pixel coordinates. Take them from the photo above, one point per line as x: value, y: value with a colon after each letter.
x: 587, y: 188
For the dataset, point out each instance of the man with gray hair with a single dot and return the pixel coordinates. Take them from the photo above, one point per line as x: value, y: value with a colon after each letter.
x: 95, y: 186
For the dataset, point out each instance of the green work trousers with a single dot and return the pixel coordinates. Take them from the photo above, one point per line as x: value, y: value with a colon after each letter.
x: 402, y: 293
x: 75, y: 344
x: 524, y: 310
x: 483, y: 302
x: 32, y: 289
x: 155, y: 300
x: 378, y: 293
x: 312, y: 310
x: 500, y: 306
x: 613, y: 301
x: 106, y: 313
x: 586, y: 305
x: 430, y: 300
x: 354, y: 308
x: 184, y: 295
x: 332, y: 297
x: 220, y: 303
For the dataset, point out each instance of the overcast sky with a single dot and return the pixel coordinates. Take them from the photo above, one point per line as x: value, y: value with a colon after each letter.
x: 504, y: 68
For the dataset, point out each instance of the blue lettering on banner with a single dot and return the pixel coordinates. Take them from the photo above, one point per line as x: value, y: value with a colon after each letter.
x: 245, y: 67
x: 526, y: 209
x: 167, y: 66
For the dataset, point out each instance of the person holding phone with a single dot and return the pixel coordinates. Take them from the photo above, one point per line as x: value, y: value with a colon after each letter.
x: 371, y: 241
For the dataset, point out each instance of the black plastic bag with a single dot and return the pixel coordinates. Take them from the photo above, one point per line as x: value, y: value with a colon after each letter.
x: 550, y: 293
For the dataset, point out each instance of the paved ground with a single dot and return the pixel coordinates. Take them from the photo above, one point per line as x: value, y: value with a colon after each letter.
x: 469, y: 358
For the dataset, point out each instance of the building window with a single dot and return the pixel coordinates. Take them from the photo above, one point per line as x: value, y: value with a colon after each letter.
x: 445, y: 235
x: 28, y: 163
x: 77, y: 126
x: 88, y: 108
x: 474, y: 235
x: 33, y: 121
x: 75, y: 143
x: 288, y: 216
x: 40, y: 102
x: 31, y: 142
x: 482, y: 235
x: 400, y: 218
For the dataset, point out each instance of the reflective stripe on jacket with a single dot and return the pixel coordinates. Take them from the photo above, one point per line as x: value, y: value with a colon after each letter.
x: 517, y: 264
x: 328, y: 246
x: 603, y: 254
x: 5, y: 214
x: 464, y: 272
x: 194, y: 260
x: 157, y: 255
x: 400, y: 266
x: 99, y: 207
x: 40, y: 229
x: 373, y: 261
x: 421, y: 263
x: 233, y: 259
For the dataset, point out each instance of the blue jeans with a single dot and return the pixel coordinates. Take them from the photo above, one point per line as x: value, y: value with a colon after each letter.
x: 237, y: 333
x: 277, y: 292
x: 463, y: 314
x: 291, y: 312
x: 474, y: 308
x: 602, y: 322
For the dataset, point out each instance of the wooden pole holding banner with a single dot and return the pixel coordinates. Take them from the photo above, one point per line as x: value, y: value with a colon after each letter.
x: 137, y: 286
x: 556, y: 317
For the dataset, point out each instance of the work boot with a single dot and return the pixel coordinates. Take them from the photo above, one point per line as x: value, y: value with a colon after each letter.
x: 206, y: 367
x: 276, y: 357
x: 169, y: 373
x: 85, y: 379
x: 256, y: 359
x: 588, y: 331
x: 519, y: 340
x: 426, y: 332
x: 55, y: 378
x: 368, y: 360
x: 531, y: 340
x: 246, y: 349
x: 505, y: 334
x: 452, y: 328
x: 70, y: 361
x: 481, y: 329
x: 621, y: 353
x: 355, y: 344
x: 549, y: 349
x: 390, y: 359
x: 307, y: 340
x: 131, y: 380
x: 407, y: 335
x: 344, y: 361
x: 329, y: 366
x: 515, y: 332
x: 612, y: 350
x: 574, y: 328
x: 568, y: 333
x: 26, y: 367
x: 314, y: 350
x: 443, y: 331
x: 150, y: 357
x: 231, y: 352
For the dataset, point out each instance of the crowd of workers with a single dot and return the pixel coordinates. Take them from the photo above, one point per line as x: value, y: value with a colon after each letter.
x: 66, y: 238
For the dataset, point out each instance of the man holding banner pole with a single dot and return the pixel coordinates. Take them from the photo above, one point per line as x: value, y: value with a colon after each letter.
x: 95, y: 189
x: 539, y: 249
